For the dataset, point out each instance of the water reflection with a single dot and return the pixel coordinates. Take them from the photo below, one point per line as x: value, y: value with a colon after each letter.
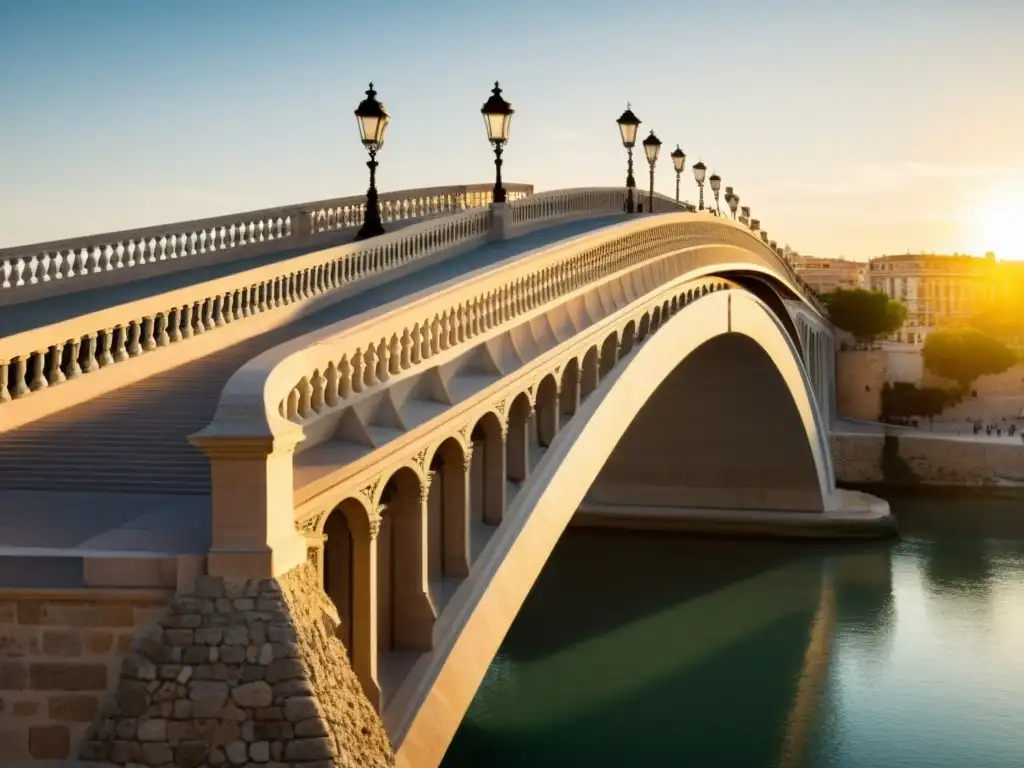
x: 647, y: 649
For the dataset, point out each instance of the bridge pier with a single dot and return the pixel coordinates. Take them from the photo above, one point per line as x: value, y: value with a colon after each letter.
x: 519, y: 417
x: 490, y: 440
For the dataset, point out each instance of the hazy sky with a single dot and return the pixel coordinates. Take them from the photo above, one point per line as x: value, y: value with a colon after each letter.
x: 850, y: 128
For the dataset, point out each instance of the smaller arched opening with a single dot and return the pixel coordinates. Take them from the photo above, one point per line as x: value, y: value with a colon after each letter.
x: 655, y: 319
x: 548, y: 408
x: 590, y: 375
x: 520, y: 415
x: 569, y: 391
x: 628, y: 338
x: 645, y: 327
x: 405, y: 612
x: 349, y: 564
x: 488, y: 481
x: 448, y: 504
x: 609, y: 354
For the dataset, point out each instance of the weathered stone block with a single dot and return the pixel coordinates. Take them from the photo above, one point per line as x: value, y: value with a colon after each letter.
x: 157, y: 754
x: 99, y: 642
x: 49, y: 742
x: 259, y: 752
x: 62, y: 643
x: 236, y: 635
x: 76, y: 709
x: 126, y: 728
x: 312, y: 727
x: 300, y: 708
x: 285, y: 669
x: 25, y: 708
x: 152, y: 729
x: 45, y: 676
x: 18, y: 642
x: 13, y: 676
x: 253, y: 695
x: 191, y: 754
x: 208, y: 635
x: 95, y: 751
x: 124, y: 752
x: 132, y: 698
x: 75, y: 614
x: 209, y: 586
x: 236, y: 752
x: 308, y: 749
x: 179, y: 637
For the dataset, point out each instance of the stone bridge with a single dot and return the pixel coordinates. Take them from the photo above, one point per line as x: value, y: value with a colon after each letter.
x: 410, y: 422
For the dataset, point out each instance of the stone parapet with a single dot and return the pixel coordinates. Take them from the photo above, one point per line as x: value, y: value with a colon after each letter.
x: 59, y: 657
x: 241, y: 673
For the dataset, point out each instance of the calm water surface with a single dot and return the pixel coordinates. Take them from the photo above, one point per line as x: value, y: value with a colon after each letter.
x: 646, y: 649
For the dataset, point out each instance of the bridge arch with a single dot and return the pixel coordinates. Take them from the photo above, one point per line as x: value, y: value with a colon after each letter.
x: 428, y: 707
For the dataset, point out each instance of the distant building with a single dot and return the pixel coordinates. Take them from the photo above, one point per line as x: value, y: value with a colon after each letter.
x: 937, y: 290
x: 824, y: 275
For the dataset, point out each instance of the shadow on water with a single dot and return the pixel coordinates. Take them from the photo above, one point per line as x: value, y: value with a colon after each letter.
x: 640, y: 574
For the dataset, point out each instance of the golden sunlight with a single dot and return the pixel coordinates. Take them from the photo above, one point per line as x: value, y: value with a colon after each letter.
x: 998, y: 223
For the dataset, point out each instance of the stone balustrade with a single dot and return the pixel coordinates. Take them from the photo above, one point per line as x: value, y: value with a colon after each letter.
x: 47, y: 269
x: 293, y: 386
x: 46, y: 357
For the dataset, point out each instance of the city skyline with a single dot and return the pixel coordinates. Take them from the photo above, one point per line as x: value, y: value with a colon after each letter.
x: 126, y: 115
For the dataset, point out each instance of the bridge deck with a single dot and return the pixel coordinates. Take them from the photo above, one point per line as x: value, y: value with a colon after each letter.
x: 116, y: 473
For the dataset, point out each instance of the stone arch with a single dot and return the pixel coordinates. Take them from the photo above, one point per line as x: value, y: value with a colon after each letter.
x: 569, y: 391
x: 645, y: 327
x: 548, y: 407
x: 520, y: 419
x: 655, y: 318
x: 405, y: 611
x: 426, y: 721
x: 590, y: 375
x: 448, y: 501
x: 609, y: 354
x: 628, y: 338
x: 488, y: 480
x: 349, y: 566
x: 762, y: 287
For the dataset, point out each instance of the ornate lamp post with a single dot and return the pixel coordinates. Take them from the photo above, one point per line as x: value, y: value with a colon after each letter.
x: 745, y: 214
x: 628, y: 125
x: 716, y: 184
x: 698, y: 173
x: 678, y: 162
x: 373, y: 121
x: 652, y: 147
x: 498, y: 118
x: 733, y: 200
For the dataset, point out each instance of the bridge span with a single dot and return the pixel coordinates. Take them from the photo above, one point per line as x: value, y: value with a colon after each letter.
x: 405, y: 426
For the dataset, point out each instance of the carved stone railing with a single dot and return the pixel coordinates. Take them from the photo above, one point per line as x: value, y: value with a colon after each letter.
x: 288, y: 388
x: 36, y: 271
x: 42, y: 358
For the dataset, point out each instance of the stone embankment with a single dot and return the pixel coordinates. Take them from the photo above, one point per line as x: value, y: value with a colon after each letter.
x: 241, y: 674
x: 907, y: 460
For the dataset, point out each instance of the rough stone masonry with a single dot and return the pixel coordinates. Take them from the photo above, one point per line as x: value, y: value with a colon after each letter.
x: 241, y: 674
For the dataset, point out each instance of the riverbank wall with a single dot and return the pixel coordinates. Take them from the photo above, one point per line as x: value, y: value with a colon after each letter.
x: 898, y: 459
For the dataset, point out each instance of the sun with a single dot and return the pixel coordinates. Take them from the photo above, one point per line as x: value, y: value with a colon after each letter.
x: 997, y: 224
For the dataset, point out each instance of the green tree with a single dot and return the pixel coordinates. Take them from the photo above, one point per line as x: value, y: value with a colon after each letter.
x: 1005, y: 324
x: 865, y: 314
x: 964, y: 354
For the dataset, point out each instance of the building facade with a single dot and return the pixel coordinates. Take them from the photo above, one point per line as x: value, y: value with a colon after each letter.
x: 824, y: 275
x: 938, y: 291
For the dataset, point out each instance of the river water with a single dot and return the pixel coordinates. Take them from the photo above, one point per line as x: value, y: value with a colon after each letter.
x: 638, y: 649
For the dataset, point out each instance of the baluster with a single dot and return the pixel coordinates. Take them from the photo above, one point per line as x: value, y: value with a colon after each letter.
x: 37, y: 380
x: 357, y: 371
x: 370, y: 365
x: 89, y: 363
x: 402, y: 354
x: 383, y: 369
x: 218, y: 312
x: 436, y: 333
x: 118, y: 339
x: 318, y: 385
x: 305, y: 397
x: 162, y: 337
x: 174, y: 324
x: 454, y: 328
x: 134, y: 331
x: 5, y: 395
x: 148, y: 333
x: 345, y: 378
x: 209, y: 321
x: 293, y: 404
x: 331, y: 385
x: 105, y: 341
x: 18, y: 386
x: 418, y: 341
x: 55, y: 375
x: 444, y: 331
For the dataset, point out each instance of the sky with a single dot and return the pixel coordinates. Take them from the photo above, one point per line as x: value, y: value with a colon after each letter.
x: 851, y: 129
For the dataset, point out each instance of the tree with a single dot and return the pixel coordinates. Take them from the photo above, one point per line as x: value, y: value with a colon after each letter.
x: 1003, y: 323
x: 964, y: 354
x: 865, y: 314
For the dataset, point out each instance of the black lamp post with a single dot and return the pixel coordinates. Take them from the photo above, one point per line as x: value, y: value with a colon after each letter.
x: 716, y: 184
x: 698, y: 173
x: 628, y: 125
x: 678, y: 162
x: 652, y: 147
x: 498, y: 118
x: 373, y: 121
